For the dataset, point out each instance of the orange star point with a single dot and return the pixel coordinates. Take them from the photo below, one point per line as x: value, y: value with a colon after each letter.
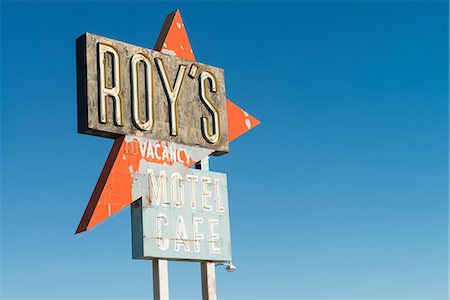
x: 112, y: 192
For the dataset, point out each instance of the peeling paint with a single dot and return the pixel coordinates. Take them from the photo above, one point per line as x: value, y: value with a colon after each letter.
x: 248, y: 123
x: 113, y: 191
x: 169, y: 52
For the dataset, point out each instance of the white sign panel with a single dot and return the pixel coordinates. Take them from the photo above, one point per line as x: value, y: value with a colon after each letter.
x: 182, y: 215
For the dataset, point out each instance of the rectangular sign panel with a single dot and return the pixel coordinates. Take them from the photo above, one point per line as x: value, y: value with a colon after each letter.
x: 129, y: 90
x: 182, y: 215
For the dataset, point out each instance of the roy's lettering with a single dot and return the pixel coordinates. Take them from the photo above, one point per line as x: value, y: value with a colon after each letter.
x: 129, y: 90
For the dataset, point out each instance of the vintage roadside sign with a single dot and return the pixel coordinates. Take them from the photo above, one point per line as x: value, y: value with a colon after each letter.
x: 112, y: 192
x: 182, y: 214
x: 130, y: 90
x: 166, y: 113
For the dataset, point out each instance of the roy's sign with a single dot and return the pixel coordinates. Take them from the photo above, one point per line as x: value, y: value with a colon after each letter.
x: 129, y: 90
x: 166, y: 113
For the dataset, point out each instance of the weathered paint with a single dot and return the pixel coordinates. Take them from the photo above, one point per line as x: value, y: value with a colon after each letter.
x: 174, y: 40
x: 113, y: 191
x: 239, y: 121
x: 182, y: 215
x: 160, y: 101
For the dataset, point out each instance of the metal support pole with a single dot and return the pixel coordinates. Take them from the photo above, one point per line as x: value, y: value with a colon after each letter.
x: 208, y: 269
x: 160, y: 279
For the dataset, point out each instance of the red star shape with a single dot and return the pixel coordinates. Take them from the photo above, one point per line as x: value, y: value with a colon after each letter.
x: 112, y: 192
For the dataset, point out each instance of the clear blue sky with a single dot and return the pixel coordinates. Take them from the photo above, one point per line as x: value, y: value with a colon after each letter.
x: 341, y: 192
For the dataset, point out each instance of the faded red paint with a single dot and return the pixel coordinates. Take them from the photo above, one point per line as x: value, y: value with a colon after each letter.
x: 112, y: 192
x: 239, y: 121
x: 173, y: 38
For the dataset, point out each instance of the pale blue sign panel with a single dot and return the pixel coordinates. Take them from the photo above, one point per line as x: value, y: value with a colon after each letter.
x: 182, y: 215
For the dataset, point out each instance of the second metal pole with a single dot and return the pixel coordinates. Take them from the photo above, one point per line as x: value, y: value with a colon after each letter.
x: 208, y: 269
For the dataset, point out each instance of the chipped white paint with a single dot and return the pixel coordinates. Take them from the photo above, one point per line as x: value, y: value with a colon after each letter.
x: 169, y: 52
x: 248, y: 123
